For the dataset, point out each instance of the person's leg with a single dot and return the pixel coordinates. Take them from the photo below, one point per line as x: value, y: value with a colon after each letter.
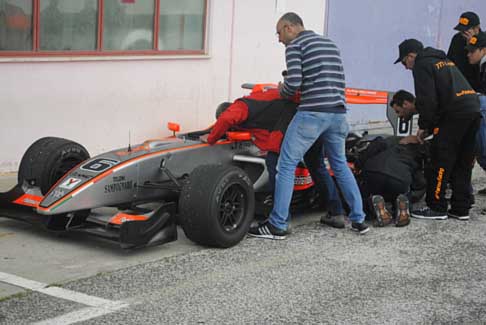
x: 314, y: 160
x: 271, y: 163
x: 444, y: 154
x: 481, y: 136
x: 301, y: 133
x: 334, y: 138
x: 461, y: 173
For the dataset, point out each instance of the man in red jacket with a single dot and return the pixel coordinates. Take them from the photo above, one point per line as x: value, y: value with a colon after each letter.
x: 266, y: 115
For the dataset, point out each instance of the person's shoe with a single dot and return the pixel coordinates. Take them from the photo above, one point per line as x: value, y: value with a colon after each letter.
x: 362, y: 228
x: 266, y: 230
x: 336, y: 221
x: 428, y: 213
x: 403, y: 213
x: 382, y: 215
x: 482, y: 191
x: 458, y: 215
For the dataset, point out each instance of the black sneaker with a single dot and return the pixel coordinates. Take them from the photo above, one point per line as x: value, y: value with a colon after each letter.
x: 383, y: 217
x: 402, y: 216
x: 458, y: 215
x: 266, y: 230
x: 482, y: 191
x: 428, y: 213
x: 362, y: 228
x: 333, y: 221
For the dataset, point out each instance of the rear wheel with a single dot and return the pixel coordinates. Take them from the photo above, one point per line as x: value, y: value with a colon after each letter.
x: 48, y: 159
x: 216, y: 205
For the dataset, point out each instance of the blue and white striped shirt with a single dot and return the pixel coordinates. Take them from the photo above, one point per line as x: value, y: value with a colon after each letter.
x: 314, y: 66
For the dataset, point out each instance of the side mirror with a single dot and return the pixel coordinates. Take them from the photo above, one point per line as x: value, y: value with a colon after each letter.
x: 238, y: 136
x: 174, y: 127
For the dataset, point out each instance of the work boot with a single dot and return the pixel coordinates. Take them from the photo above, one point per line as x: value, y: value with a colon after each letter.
x: 382, y: 215
x: 403, y: 213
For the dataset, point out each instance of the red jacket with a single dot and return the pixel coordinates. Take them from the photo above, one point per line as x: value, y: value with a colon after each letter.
x: 265, y: 114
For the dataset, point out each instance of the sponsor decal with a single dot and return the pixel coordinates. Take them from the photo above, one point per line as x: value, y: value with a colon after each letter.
x: 440, y: 177
x: 70, y: 183
x: 79, y: 175
x: 119, y: 187
x: 464, y: 21
x: 57, y: 193
x: 302, y: 180
x: 443, y: 64
x: 99, y: 165
x: 466, y: 92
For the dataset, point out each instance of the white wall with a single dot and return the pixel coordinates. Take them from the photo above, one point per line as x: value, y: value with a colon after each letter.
x: 96, y: 102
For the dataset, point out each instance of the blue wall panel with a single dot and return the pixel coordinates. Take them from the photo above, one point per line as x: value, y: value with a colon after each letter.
x: 368, y: 33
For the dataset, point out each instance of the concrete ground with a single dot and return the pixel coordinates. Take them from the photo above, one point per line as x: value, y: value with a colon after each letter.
x: 428, y: 272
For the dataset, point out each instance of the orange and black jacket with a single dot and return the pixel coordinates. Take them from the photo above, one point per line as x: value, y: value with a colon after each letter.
x: 441, y: 90
x: 265, y: 114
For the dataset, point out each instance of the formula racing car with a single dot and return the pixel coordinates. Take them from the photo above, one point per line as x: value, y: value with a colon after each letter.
x: 137, y: 195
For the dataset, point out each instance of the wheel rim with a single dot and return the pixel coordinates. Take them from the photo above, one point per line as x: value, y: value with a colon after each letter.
x: 232, y: 207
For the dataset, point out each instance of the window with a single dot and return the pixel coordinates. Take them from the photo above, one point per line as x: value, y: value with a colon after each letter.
x: 181, y: 25
x: 68, y: 25
x: 102, y: 27
x: 15, y: 25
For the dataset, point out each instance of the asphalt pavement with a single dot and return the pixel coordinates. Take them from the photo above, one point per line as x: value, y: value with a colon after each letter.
x: 427, y: 272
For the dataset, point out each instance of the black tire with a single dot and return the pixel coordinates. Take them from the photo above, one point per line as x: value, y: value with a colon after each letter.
x: 216, y: 205
x: 48, y: 159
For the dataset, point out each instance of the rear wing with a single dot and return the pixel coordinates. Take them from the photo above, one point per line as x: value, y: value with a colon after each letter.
x: 360, y: 97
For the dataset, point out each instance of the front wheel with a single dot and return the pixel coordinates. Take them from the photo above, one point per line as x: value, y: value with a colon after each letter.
x: 47, y: 160
x: 216, y: 205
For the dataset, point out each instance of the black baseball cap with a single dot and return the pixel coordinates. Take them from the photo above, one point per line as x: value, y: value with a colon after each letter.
x: 476, y: 42
x: 467, y: 20
x: 408, y: 46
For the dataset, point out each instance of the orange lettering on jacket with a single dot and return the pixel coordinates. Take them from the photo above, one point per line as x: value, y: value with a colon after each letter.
x: 465, y: 92
x: 440, y: 176
x: 443, y: 64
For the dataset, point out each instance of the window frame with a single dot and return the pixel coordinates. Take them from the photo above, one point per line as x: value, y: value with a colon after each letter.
x: 99, y: 52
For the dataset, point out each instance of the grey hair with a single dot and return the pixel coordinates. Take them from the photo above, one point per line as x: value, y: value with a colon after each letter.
x: 292, y: 18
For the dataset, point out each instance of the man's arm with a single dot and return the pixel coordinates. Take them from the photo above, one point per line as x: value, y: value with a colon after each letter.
x: 426, y: 101
x: 235, y: 114
x: 293, y: 81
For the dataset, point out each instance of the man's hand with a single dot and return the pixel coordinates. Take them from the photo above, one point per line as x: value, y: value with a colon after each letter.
x: 410, y: 139
x: 468, y: 34
x: 204, y: 138
x: 421, y: 135
x: 280, y: 86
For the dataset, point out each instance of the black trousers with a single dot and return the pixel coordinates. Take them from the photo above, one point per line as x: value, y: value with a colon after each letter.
x: 452, y: 157
x: 374, y: 183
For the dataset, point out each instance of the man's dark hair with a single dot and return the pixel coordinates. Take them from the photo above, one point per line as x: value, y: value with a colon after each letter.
x: 221, y: 108
x: 292, y: 18
x: 401, y: 96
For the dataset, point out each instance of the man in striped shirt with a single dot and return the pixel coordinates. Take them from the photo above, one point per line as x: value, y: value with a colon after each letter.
x: 315, y: 68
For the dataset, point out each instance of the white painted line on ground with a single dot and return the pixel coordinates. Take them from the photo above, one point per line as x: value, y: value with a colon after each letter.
x: 82, y: 315
x: 98, y: 306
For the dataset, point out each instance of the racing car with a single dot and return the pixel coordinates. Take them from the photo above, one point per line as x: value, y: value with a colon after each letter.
x: 137, y: 195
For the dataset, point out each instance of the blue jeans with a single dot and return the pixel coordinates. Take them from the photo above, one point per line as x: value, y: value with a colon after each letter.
x: 481, y: 135
x: 304, y: 129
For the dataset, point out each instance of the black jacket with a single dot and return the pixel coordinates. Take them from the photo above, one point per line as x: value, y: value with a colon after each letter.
x: 482, y: 86
x: 441, y: 90
x: 458, y: 54
x: 398, y: 161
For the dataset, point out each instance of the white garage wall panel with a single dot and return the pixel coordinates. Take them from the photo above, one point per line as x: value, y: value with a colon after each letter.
x: 96, y: 103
